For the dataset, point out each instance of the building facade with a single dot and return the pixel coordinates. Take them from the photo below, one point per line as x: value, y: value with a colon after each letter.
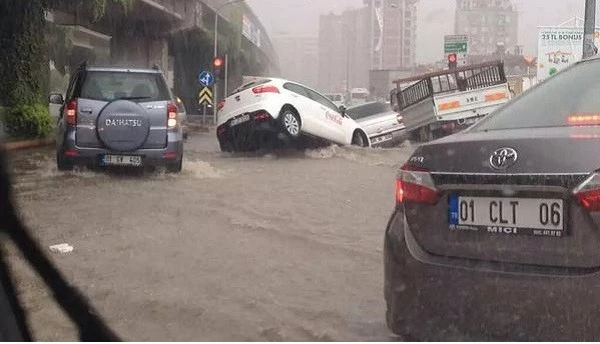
x: 379, y: 35
x: 488, y: 23
x: 298, y: 57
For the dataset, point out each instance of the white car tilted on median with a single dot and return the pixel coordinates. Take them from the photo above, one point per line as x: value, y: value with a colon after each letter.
x: 276, y: 109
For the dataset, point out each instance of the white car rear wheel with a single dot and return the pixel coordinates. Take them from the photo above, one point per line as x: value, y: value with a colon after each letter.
x: 290, y: 123
x: 359, y: 139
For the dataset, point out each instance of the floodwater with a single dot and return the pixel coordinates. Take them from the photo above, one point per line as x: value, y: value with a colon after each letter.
x: 280, y: 246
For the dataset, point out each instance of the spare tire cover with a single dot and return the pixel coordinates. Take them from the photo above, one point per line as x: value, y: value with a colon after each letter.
x: 123, y: 125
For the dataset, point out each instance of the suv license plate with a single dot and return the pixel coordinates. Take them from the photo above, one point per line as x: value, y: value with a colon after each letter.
x: 121, y: 160
x: 240, y: 120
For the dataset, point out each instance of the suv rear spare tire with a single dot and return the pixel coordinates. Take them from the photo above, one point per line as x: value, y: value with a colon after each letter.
x: 123, y: 125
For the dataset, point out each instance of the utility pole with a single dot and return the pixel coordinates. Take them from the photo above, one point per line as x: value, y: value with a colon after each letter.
x: 589, y: 48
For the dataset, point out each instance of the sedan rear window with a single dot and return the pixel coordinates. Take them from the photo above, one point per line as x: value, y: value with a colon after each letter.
x: 109, y: 86
x: 367, y: 110
x: 570, y: 94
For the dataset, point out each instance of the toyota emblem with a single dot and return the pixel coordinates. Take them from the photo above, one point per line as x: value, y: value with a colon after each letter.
x: 503, y: 158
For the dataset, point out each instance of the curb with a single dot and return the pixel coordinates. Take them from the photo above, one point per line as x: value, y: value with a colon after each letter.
x: 25, y: 144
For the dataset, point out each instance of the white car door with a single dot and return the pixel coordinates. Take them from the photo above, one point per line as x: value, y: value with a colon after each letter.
x: 333, y: 123
x: 306, y: 107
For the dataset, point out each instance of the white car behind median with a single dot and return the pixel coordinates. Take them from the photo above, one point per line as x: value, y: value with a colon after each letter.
x: 276, y: 109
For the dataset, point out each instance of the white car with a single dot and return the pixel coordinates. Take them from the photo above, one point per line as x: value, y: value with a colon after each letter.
x: 383, y: 125
x: 276, y: 109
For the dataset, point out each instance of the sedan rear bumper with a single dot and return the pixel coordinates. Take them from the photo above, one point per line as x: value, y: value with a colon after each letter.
x: 247, y: 136
x: 440, y: 299
x: 392, y: 139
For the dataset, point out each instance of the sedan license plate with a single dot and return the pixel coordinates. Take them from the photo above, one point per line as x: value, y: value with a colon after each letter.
x: 240, y: 120
x: 383, y: 138
x: 508, y: 216
x: 121, y: 160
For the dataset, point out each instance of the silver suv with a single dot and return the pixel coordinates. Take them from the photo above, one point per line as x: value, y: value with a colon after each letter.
x: 118, y: 117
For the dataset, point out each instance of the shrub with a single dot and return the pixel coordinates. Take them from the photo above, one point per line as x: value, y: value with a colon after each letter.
x: 28, y: 121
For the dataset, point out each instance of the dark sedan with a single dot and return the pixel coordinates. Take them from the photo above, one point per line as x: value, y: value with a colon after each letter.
x: 496, y: 230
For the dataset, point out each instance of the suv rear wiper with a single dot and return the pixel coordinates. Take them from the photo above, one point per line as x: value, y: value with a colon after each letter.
x: 133, y: 98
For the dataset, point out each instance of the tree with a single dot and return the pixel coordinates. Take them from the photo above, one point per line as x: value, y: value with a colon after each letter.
x: 24, y: 55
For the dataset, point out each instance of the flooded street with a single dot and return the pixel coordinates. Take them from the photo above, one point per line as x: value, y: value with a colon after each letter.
x: 257, y: 247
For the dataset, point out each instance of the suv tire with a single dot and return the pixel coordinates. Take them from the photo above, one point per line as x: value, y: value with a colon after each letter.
x: 61, y: 164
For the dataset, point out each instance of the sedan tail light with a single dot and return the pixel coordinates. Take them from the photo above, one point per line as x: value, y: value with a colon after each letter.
x: 265, y: 89
x: 588, y: 193
x: 261, y: 116
x: 171, y: 115
x: 72, y: 112
x: 415, y: 185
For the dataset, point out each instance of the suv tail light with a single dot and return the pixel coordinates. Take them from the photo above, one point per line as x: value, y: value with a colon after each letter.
x: 415, y: 185
x: 171, y: 115
x: 265, y: 89
x: 588, y: 193
x: 72, y: 112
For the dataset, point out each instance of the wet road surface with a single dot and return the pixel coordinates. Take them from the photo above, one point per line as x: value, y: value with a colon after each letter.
x: 281, y: 246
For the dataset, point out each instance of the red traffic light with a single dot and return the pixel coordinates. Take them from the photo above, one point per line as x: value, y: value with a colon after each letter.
x: 218, y: 62
x: 452, y: 58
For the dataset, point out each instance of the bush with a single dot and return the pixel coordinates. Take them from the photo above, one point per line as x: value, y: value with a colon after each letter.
x: 28, y: 121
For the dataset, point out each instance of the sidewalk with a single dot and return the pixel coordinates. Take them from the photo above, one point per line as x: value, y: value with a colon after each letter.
x: 25, y: 144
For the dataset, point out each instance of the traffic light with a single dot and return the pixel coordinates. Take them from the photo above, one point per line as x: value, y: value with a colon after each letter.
x: 452, y: 61
x: 218, y: 66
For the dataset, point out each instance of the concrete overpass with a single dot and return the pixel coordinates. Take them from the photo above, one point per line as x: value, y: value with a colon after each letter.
x: 176, y: 35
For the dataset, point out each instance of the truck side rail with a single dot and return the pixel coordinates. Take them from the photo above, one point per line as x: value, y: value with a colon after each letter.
x: 459, y: 79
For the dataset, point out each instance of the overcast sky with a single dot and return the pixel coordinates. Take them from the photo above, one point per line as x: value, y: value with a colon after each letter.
x: 435, y: 19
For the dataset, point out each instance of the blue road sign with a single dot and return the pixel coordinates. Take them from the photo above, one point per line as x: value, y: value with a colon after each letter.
x: 206, y: 78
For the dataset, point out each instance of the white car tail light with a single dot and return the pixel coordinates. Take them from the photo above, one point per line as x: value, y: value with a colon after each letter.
x: 588, y: 193
x: 415, y: 185
x: 221, y: 105
x: 265, y: 89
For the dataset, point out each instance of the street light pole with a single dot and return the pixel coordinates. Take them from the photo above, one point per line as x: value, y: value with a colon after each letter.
x: 589, y: 49
x: 216, y: 53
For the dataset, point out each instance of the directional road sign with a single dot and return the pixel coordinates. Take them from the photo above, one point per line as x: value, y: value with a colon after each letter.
x: 206, y: 78
x: 205, y: 96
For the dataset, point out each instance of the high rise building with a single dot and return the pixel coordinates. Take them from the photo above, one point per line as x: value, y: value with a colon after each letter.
x: 298, y: 57
x: 488, y: 23
x: 380, y: 35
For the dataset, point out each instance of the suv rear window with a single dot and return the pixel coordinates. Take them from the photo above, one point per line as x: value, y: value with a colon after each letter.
x: 109, y: 86
x: 572, y: 93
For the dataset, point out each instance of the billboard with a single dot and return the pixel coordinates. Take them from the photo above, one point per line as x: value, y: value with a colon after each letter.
x: 558, y: 48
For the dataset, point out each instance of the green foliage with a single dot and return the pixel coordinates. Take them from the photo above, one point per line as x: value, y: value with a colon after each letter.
x: 28, y: 121
x: 23, y: 61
